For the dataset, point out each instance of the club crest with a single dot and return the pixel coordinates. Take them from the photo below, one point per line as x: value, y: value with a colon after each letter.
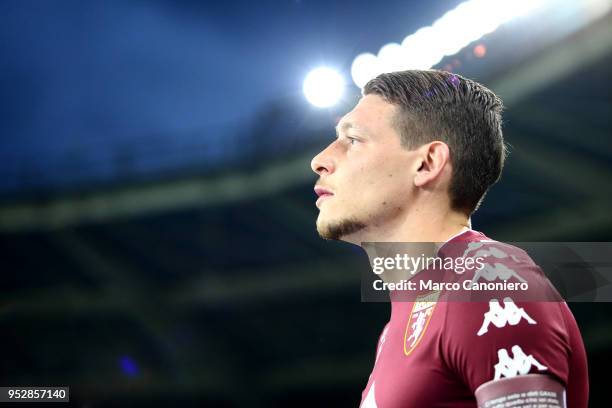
x: 421, y: 313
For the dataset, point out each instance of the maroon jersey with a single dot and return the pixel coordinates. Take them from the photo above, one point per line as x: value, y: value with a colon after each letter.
x: 436, y: 354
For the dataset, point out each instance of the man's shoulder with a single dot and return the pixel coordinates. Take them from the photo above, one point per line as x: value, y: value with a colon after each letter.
x: 489, y: 269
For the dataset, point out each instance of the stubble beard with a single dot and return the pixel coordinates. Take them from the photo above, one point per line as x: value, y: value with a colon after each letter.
x: 335, y: 231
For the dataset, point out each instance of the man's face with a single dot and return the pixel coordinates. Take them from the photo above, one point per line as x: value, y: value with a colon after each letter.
x: 367, y: 173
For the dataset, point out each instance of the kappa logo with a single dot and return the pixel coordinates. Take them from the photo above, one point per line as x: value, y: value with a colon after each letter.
x: 492, y: 270
x: 485, y: 249
x: 496, y: 271
x: 421, y: 313
x: 500, y: 315
x: 519, y: 365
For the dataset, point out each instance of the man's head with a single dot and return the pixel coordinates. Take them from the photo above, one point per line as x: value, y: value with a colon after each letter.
x: 416, y: 139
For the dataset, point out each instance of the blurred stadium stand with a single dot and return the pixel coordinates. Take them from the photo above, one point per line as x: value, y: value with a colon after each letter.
x: 201, y: 281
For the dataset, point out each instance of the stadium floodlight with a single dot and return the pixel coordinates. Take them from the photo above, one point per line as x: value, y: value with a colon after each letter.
x: 423, y: 48
x: 456, y: 29
x: 323, y: 87
x: 365, y: 67
x: 392, y: 57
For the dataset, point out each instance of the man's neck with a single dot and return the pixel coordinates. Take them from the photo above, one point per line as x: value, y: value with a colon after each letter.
x: 422, y: 228
x: 426, y: 240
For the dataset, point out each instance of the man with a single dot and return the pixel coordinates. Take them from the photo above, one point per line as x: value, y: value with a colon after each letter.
x: 411, y: 162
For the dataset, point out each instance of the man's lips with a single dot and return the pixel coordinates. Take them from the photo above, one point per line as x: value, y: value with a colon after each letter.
x: 322, y: 191
x: 323, y: 194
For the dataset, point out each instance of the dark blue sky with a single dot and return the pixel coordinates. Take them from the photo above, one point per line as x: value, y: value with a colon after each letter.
x: 83, y: 78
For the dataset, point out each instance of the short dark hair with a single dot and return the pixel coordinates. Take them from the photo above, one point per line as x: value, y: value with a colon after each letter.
x: 439, y: 105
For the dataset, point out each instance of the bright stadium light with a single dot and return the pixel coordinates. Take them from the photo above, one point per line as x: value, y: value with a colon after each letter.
x: 423, y: 48
x: 462, y: 22
x: 323, y: 87
x: 455, y: 30
x: 365, y: 67
x: 392, y: 57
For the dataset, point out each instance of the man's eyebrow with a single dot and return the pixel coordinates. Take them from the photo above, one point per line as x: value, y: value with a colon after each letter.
x: 344, y: 126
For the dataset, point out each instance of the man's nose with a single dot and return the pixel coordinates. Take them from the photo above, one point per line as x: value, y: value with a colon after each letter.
x: 322, y: 162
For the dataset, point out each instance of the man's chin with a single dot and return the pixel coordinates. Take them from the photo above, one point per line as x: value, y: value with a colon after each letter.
x: 339, y: 230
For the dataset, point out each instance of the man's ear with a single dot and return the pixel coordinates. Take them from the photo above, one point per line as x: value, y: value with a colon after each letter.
x: 433, y: 158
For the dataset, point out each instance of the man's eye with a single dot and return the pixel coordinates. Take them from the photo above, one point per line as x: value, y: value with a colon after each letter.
x: 352, y: 140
